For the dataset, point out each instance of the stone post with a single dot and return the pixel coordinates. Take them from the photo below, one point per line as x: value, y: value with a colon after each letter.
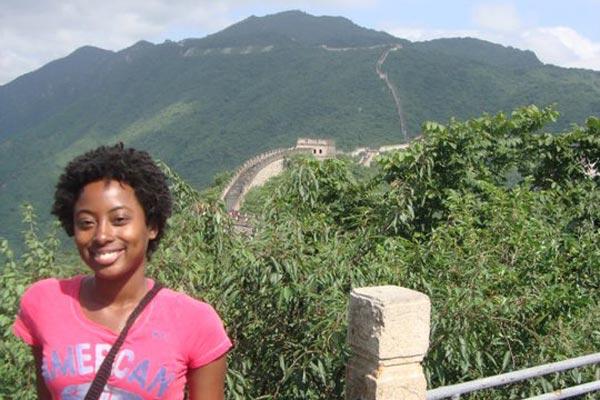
x: 388, y: 333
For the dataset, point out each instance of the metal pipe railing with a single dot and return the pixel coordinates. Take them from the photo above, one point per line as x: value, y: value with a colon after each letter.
x: 569, y: 392
x: 510, y: 377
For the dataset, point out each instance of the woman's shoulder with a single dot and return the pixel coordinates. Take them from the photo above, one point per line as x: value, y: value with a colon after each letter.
x: 184, y: 302
x: 183, y: 311
x: 201, y: 331
x: 48, y: 296
x: 52, y: 286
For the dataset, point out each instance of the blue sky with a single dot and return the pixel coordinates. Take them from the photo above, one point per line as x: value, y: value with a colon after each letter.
x: 34, y: 32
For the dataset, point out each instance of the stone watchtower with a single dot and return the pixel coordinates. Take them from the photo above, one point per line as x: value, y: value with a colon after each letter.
x: 321, y: 148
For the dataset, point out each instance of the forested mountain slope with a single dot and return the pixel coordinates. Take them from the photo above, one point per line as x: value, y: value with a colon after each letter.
x: 206, y: 105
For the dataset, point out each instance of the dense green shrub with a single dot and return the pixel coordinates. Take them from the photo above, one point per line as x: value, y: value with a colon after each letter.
x: 36, y: 262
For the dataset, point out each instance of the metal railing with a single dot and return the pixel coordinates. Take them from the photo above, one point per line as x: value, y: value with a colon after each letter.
x: 454, y: 391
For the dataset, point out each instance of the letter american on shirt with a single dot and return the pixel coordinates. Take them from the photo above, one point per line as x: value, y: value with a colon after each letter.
x: 85, y: 359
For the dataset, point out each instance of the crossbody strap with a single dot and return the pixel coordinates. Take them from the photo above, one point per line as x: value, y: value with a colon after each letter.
x: 103, y: 373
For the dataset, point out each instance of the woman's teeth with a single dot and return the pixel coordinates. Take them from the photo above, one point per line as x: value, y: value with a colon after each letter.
x: 107, y: 257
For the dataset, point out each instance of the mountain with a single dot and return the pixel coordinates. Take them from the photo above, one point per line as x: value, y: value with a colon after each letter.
x: 34, y: 97
x: 206, y: 105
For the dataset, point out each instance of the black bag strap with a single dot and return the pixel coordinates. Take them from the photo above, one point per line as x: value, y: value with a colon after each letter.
x: 103, y: 373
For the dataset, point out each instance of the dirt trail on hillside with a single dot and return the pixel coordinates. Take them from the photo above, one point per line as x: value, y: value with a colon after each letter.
x: 383, y: 75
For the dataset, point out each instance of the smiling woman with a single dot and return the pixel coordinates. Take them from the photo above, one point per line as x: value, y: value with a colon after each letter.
x: 110, y: 229
x: 115, y: 202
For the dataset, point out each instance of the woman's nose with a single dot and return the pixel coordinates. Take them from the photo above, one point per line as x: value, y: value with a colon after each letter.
x: 103, y: 232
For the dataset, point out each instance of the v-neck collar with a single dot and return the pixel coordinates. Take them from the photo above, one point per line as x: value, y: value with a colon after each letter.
x: 96, y: 327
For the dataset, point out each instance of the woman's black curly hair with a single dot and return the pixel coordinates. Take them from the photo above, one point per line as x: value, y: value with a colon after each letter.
x: 127, y: 165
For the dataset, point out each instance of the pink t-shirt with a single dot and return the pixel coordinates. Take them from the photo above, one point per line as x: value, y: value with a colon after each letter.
x: 173, y: 334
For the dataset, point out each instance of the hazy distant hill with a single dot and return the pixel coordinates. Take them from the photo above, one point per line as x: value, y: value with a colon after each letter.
x: 206, y: 105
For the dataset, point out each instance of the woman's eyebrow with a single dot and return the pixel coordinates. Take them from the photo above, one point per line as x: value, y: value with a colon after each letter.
x: 116, y: 208
x: 83, y: 211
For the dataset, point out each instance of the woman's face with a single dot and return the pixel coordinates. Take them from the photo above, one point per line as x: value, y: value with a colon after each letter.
x: 110, y: 229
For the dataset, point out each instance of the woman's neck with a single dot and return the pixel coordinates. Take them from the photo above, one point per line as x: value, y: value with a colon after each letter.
x: 118, y: 293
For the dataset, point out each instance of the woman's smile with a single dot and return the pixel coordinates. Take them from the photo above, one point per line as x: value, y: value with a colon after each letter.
x: 106, y: 257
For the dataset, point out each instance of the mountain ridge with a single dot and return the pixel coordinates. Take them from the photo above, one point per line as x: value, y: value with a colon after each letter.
x: 301, y: 28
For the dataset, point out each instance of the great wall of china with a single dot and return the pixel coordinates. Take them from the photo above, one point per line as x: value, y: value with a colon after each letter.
x: 257, y: 170
x: 393, y: 89
x: 254, y: 172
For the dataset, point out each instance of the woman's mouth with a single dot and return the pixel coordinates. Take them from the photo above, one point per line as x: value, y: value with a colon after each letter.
x: 106, y: 257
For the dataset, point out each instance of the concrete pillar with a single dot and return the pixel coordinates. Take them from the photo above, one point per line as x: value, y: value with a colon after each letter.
x: 388, y: 333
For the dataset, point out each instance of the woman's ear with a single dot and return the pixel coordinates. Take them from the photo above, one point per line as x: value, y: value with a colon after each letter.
x: 152, y: 232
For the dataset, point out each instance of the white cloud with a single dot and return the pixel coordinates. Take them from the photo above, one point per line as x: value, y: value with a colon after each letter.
x: 563, y: 46
x: 287, y: 5
x: 559, y: 45
x: 34, y: 33
x: 501, y: 17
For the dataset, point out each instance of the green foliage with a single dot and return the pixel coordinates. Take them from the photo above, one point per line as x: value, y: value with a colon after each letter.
x: 460, y: 156
x: 509, y: 278
x: 17, y: 378
x: 567, y: 158
x: 511, y: 270
x: 511, y: 267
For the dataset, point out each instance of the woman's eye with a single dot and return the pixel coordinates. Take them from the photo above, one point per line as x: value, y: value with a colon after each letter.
x: 85, y: 223
x: 121, y: 220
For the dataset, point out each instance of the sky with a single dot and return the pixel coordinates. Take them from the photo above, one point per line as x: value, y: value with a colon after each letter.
x: 35, y: 32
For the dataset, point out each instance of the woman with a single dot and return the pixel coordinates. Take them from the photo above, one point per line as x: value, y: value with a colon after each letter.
x: 115, y: 202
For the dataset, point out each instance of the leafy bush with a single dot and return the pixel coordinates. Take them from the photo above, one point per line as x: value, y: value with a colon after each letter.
x: 17, y: 379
